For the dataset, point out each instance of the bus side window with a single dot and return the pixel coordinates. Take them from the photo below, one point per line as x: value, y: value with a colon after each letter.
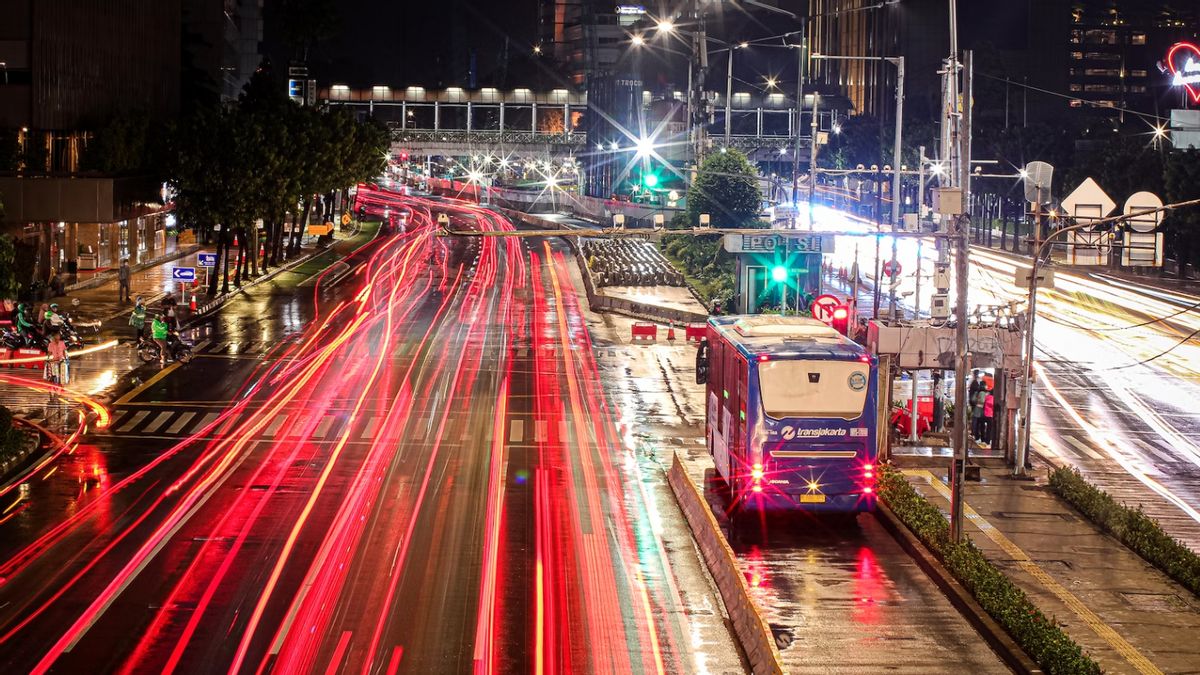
x: 716, y: 377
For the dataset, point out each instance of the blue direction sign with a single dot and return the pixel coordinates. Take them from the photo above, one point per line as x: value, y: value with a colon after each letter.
x: 207, y: 259
x: 183, y: 273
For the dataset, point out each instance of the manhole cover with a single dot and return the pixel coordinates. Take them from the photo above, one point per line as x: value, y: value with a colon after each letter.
x: 1154, y: 602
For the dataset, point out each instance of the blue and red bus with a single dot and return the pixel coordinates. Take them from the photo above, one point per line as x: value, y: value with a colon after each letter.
x: 791, y: 413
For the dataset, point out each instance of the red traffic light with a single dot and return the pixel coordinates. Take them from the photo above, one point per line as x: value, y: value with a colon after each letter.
x: 841, y: 319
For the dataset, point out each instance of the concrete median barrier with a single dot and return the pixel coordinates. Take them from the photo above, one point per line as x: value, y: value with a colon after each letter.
x: 749, y: 625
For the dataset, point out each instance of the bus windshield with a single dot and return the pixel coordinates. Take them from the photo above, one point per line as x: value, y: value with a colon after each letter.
x: 813, y: 388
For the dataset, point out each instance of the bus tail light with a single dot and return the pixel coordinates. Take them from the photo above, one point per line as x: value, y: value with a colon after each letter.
x: 868, y: 490
x: 756, y: 476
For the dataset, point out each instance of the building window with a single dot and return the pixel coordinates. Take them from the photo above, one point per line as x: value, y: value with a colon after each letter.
x: 1137, y: 72
x: 1137, y: 39
x: 1102, y: 72
x: 1101, y: 37
x: 1137, y: 88
x: 1078, y: 56
x: 1102, y: 88
x: 1102, y: 56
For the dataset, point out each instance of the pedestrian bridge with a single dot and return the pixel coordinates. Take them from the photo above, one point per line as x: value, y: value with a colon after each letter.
x: 523, y: 123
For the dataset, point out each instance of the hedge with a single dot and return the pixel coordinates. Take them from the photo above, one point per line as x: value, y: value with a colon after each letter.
x: 1131, y: 527
x: 1040, y: 637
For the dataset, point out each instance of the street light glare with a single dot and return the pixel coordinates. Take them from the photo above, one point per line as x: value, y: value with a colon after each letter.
x: 1160, y: 131
x: 743, y: 45
x: 638, y: 40
x: 771, y: 82
x: 1023, y: 173
x: 665, y: 26
x: 644, y: 146
x: 837, y: 129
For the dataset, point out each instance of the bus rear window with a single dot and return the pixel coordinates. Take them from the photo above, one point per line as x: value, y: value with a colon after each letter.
x: 813, y: 388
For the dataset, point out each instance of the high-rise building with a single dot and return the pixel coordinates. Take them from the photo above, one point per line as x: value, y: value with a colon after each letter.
x: 1116, y: 47
x: 223, y: 39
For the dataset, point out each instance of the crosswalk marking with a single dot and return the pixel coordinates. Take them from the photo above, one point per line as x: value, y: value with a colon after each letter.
x: 180, y: 422
x: 134, y: 420
x: 208, y: 419
x: 273, y: 427
x: 516, y: 431
x: 1155, y: 450
x: 158, y: 421
x: 369, y: 430
x: 562, y: 431
x: 539, y: 431
x: 323, y: 427
x: 1082, y: 447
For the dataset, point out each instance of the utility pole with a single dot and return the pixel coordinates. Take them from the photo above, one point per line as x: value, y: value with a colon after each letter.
x: 800, y: 49
x: 961, y: 270
x: 1026, y: 404
x: 729, y: 96
x: 812, y: 160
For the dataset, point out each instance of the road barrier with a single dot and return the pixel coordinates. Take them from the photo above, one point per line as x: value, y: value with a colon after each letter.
x: 749, y: 625
x: 643, y: 331
x: 695, y: 332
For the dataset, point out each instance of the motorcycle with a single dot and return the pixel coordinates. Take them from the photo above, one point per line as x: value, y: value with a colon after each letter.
x: 178, y: 350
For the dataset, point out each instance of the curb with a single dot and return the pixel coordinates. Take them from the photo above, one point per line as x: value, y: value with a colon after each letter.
x: 992, y: 633
x: 749, y: 626
x: 216, y: 302
x: 107, y: 276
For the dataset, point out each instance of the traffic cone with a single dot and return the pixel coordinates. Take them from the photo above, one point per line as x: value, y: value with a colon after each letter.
x: 192, y: 304
x: 671, y: 331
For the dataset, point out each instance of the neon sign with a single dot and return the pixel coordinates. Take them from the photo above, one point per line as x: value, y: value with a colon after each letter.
x: 1183, y: 61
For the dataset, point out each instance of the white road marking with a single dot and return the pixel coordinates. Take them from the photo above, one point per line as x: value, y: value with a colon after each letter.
x: 516, y: 431
x: 133, y: 421
x: 323, y: 427
x: 273, y: 427
x: 180, y: 422
x: 1082, y: 447
x: 159, y: 419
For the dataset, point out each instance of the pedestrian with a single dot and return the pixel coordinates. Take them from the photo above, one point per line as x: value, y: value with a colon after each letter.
x: 168, y: 306
x: 989, y: 409
x: 123, y: 281
x: 56, y: 360
x: 159, y: 330
x: 977, y: 401
x: 137, y: 319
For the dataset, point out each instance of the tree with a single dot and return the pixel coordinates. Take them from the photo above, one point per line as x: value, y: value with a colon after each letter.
x: 1182, y: 226
x: 9, y: 284
x: 726, y: 187
x: 1121, y: 165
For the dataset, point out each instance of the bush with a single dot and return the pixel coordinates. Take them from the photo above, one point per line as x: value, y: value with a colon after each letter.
x: 1040, y: 637
x: 1131, y: 527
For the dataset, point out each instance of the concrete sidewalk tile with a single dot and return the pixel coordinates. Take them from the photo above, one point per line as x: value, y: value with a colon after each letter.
x: 1128, y: 615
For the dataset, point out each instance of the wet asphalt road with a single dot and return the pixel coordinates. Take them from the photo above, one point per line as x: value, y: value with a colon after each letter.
x: 413, y: 470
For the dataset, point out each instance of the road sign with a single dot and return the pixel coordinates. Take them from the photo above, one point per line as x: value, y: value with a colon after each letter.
x: 1045, y: 278
x: 891, y: 268
x: 1144, y: 201
x: 823, y: 306
x: 206, y: 259
x: 771, y: 243
x: 183, y: 273
x: 1142, y: 248
x: 1088, y: 202
x: 1037, y: 182
x: 345, y: 218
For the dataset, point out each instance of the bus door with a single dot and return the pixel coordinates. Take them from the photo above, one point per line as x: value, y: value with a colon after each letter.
x: 736, y: 375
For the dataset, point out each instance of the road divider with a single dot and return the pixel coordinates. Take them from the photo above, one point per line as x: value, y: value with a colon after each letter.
x: 749, y: 626
x: 1131, y: 527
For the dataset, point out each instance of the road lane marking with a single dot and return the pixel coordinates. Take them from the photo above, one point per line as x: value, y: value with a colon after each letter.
x: 132, y: 421
x: 1093, y: 621
x: 516, y: 431
x: 180, y: 422
x: 369, y: 430
x: 273, y: 427
x: 158, y: 421
x: 1083, y: 447
x: 323, y: 426
x: 1154, y: 449
x: 208, y: 419
x: 136, y: 391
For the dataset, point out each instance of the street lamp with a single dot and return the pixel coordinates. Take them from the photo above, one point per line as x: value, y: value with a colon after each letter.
x: 665, y: 26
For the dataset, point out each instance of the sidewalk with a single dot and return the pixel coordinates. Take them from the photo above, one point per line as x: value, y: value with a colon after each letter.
x: 1129, y: 616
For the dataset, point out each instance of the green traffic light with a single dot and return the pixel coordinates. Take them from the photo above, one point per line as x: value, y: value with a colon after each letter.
x: 779, y: 273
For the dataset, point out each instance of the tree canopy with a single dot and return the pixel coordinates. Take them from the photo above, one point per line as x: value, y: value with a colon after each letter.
x: 726, y: 188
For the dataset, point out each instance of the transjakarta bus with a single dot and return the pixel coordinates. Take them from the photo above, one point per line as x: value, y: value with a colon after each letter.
x: 791, y: 413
